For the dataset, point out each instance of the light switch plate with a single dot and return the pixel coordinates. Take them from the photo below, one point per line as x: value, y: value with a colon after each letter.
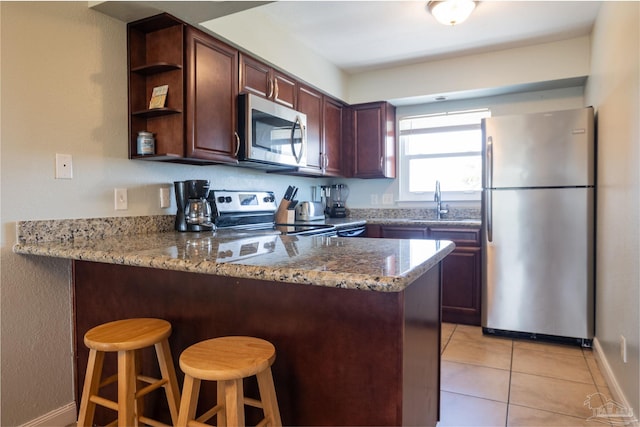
x: 64, y: 166
x: 165, y: 197
x: 120, y: 199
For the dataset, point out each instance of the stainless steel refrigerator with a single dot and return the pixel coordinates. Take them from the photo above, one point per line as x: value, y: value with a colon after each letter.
x: 539, y: 225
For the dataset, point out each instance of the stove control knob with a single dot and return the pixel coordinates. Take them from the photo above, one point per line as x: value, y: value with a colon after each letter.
x: 221, y: 199
x: 227, y: 199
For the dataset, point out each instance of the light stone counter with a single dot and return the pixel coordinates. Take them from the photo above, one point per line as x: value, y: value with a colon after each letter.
x: 386, y: 265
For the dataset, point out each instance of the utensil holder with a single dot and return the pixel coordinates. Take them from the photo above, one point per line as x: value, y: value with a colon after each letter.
x: 284, y: 215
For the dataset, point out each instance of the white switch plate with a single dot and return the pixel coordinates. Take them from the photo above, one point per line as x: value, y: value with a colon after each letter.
x: 387, y: 199
x: 64, y: 166
x: 165, y: 197
x: 120, y: 199
x: 374, y: 199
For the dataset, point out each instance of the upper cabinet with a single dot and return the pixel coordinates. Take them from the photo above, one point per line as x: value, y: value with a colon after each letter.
x: 212, y: 81
x: 198, y: 122
x: 324, y: 132
x: 372, y: 140
x: 258, y: 78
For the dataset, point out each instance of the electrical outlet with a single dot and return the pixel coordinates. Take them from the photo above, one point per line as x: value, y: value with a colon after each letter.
x: 623, y: 348
x: 64, y: 166
x: 120, y: 199
x: 374, y: 199
x: 387, y: 199
x: 165, y: 197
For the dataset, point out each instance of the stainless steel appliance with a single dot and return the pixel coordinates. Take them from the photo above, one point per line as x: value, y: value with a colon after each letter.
x: 538, y: 225
x: 271, y: 136
x: 309, y: 211
x: 194, y: 211
x: 336, y: 197
x: 255, y: 211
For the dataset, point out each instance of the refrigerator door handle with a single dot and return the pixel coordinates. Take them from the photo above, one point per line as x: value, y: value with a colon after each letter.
x: 489, y: 185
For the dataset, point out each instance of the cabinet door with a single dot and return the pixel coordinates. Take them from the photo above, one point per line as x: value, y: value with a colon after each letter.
x: 310, y: 103
x: 255, y: 77
x: 258, y: 78
x: 403, y: 232
x: 461, y: 280
x: 211, y: 98
x: 332, y: 137
x: 374, y: 140
x: 284, y: 89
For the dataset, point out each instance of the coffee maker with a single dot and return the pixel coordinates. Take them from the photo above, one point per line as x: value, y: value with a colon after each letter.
x: 335, y: 198
x: 194, y: 210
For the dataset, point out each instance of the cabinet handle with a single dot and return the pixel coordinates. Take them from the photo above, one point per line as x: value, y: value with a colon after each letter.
x: 277, y: 89
x: 326, y: 161
x: 271, y: 87
x: 237, y: 144
x: 381, y: 163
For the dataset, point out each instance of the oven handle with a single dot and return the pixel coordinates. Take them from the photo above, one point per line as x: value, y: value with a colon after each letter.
x: 352, y: 232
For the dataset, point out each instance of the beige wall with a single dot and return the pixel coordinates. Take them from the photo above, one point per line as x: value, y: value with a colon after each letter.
x: 614, y: 90
x: 63, y: 90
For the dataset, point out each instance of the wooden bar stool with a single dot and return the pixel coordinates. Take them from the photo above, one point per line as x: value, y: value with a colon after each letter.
x: 126, y: 337
x: 227, y: 361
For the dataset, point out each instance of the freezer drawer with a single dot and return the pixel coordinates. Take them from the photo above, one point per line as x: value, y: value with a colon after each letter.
x: 539, y: 261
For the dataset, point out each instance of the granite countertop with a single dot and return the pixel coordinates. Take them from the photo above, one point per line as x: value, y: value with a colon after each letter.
x: 386, y: 265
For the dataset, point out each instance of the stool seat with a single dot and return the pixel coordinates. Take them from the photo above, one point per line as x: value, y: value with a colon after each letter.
x: 228, y: 360
x: 127, y: 338
x: 127, y: 334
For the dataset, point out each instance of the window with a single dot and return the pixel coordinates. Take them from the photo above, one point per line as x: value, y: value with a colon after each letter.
x: 446, y: 147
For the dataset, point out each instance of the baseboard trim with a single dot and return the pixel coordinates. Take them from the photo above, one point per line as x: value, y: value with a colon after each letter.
x: 612, y: 383
x: 61, y: 417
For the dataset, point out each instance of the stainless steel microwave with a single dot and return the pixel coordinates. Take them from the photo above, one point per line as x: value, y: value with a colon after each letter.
x: 271, y: 135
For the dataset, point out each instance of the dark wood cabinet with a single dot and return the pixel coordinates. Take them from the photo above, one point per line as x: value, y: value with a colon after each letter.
x: 259, y: 78
x: 198, y: 122
x: 461, y: 275
x: 461, y: 269
x: 372, y: 143
x: 332, y: 136
x: 324, y: 132
x: 155, y: 59
x: 212, y: 79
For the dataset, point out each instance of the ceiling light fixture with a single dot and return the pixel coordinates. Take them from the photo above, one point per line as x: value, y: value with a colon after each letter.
x: 451, y: 12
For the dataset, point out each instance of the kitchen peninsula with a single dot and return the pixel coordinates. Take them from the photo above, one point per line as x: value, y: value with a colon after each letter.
x: 355, y: 321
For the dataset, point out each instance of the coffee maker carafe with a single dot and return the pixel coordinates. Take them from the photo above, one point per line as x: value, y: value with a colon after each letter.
x: 336, y: 200
x: 194, y: 210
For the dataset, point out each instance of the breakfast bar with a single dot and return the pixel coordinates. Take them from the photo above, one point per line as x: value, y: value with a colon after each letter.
x: 355, y: 321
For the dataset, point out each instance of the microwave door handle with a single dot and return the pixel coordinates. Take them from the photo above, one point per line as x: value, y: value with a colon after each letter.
x: 297, y: 124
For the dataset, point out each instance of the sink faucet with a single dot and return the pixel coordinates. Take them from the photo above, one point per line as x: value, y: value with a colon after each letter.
x: 437, y: 197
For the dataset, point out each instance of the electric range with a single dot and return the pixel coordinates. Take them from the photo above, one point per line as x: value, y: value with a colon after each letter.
x: 254, y: 211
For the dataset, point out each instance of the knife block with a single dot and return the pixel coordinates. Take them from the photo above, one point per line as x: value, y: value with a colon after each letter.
x: 284, y: 215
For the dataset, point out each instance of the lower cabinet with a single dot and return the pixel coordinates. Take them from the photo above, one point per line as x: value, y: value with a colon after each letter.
x: 461, y: 269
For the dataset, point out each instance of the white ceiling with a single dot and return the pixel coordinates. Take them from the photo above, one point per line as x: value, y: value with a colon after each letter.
x: 362, y: 35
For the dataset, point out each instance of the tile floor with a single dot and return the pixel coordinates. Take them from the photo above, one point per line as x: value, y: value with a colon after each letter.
x: 490, y: 381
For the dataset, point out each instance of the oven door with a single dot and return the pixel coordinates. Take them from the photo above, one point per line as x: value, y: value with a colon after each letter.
x: 271, y: 133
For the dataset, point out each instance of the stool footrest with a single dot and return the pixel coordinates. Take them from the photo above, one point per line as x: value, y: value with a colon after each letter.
x: 151, y: 422
x: 209, y: 414
x: 154, y: 384
x: 104, y: 402
x: 109, y: 380
x: 253, y: 402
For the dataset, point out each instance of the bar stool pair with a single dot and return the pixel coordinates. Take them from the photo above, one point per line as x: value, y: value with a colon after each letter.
x: 226, y: 360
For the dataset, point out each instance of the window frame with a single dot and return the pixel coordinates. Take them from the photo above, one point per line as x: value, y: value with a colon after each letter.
x: 404, y: 195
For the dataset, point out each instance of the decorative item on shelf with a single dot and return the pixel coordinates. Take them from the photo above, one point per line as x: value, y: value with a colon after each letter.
x: 146, y: 143
x: 158, y: 97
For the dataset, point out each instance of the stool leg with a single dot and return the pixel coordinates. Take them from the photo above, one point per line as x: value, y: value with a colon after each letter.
x: 234, y: 402
x: 221, y: 419
x: 189, y: 401
x: 90, y: 388
x: 168, y: 372
x: 126, y: 388
x: 268, y: 397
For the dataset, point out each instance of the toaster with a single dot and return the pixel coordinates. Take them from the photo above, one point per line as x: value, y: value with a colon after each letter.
x: 309, y: 211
